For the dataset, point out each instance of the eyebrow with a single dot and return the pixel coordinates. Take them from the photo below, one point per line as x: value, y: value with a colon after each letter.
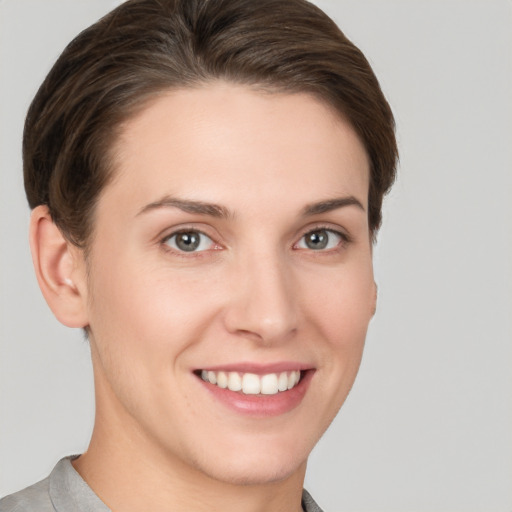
x: 331, y: 204
x: 218, y: 211
x: 189, y: 206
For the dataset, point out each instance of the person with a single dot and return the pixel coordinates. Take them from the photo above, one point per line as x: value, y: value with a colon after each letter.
x: 206, y: 179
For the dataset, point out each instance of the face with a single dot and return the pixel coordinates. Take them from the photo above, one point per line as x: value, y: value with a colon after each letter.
x: 231, y: 251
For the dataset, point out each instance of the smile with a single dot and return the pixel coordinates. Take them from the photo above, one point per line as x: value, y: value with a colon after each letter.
x: 256, y: 390
x: 251, y: 383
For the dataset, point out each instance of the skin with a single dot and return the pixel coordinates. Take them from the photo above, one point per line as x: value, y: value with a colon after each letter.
x: 256, y: 293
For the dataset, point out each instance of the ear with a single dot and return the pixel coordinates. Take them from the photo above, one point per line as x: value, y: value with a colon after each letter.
x: 60, y: 270
x: 374, y: 298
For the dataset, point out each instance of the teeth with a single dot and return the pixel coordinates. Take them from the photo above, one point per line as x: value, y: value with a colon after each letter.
x: 293, y: 379
x: 234, y: 381
x: 269, y: 384
x: 222, y: 380
x: 282, y: 382
x: 252, y: 384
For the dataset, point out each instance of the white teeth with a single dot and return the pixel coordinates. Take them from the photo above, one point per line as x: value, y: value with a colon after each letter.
x: 269, y: 384
x: 291, y: 380
x: 234, y: 381
x: 252, y: 384
x: 222, y: 380
x: 282, y: 384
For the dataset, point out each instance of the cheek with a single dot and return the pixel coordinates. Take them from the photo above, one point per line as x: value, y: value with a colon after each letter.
x: 148, y: 314
x: 343, y: 312
x: 141, y: 328
x: 343, y: 303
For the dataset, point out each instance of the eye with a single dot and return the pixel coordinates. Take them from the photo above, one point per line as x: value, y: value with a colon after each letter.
x: 321, y: 240
x: 189, y: 241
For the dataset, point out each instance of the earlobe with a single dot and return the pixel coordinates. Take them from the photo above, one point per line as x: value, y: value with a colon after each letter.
x: 59, y: 270
x: 374, y: 301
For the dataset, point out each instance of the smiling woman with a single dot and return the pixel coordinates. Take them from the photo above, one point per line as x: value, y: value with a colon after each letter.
x: 206, y: 179
x: 251, y: 302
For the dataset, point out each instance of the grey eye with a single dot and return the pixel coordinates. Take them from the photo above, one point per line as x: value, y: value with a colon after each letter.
x: 320, y: 239
x: 190, y: 241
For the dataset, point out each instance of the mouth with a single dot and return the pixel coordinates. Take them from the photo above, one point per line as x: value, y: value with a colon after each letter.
x: 257, y: 391
x: 252, y: 383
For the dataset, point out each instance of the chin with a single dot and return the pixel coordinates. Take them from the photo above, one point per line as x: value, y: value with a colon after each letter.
x: 246, y: 472
x: 257, y: 463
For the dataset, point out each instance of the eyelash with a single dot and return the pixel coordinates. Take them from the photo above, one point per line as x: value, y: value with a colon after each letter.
x: 345, y: 240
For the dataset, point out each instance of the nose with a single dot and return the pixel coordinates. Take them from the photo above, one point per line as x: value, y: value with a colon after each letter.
x: 263, y: 305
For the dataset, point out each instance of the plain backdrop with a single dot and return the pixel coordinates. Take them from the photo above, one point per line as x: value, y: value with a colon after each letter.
x: 428, y: 425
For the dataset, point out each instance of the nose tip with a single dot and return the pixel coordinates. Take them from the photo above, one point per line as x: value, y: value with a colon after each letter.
x: 263, y: 307
x: 269, y: 329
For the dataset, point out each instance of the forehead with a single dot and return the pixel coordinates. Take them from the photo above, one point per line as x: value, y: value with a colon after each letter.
x: 233, y: 143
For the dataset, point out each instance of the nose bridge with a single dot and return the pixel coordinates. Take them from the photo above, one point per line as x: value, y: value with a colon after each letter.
x: 264, y: 305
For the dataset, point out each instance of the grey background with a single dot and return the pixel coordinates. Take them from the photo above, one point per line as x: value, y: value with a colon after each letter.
x: 428, y: 425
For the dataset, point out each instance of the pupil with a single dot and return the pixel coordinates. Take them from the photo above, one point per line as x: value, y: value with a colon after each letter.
x: 187, y: 241
x: 317, y: 240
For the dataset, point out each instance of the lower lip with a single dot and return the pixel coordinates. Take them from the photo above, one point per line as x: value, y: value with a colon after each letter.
x: 261, y: 405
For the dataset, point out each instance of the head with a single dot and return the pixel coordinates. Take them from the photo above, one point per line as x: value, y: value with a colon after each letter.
x: 147, y: 47
x: 212, y: 174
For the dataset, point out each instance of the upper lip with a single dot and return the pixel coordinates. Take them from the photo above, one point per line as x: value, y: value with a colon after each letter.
x: 258, y: 368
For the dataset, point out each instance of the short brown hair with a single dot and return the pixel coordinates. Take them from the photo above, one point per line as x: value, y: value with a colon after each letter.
x: 145, y: 47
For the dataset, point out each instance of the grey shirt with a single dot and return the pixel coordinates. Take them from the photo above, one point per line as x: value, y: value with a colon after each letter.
x: 66, y: 491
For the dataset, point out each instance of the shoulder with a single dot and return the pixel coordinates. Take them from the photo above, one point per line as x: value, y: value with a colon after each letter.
x: 35, y: 498
x: 308, y: 503
x: 63, y: 491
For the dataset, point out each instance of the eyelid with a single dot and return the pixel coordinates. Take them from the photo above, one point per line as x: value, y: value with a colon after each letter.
x: 202, y: 228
